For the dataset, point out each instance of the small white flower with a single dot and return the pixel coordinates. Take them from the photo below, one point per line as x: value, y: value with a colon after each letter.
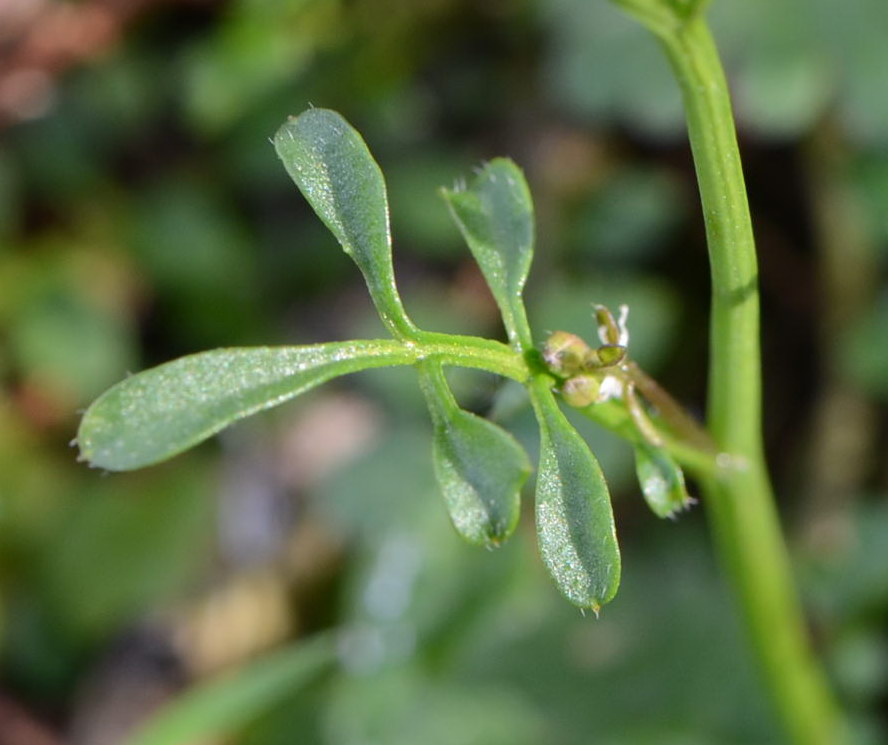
x: 623, y: 324
x: 611, y: 387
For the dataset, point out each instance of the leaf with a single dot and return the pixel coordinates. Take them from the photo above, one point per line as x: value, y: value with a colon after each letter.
x: 335, y: 171
x: 661, y: 480
x: 575, y: 523
x: 495, y: 216
x: 162, y: 411
x: 219, y: 708
x: 404, y: 705
x: 479, y: 466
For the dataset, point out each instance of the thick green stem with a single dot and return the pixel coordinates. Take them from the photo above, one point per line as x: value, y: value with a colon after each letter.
x: 745, y: 521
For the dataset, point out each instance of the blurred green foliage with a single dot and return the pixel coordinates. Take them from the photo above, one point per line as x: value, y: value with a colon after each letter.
x: 145, y: 216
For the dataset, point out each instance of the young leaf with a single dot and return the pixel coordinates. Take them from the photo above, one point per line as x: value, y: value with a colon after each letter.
x: 661, y: 480
x: 495, y: 216
x: 216, y: 710
x: 575, y: 523
x: 480, y: 467
x: 162, y: 411
x: 334, y: 170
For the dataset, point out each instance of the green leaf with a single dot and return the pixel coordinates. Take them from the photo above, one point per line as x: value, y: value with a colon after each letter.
x: 334, y: 170
x: 479, y: 466
x: 661, y: 480
x: 162, y: 411
x: 495, y: 216
x: 217, y: 709
x: 575, y: 523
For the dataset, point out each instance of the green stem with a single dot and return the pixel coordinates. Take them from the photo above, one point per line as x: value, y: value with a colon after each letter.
x: 745, y: 521
x: 701, y: 461
x: 469, y: 351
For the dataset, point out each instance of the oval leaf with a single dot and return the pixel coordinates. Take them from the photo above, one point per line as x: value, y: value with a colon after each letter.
x: 575, y: 523
x: 479, y: 466
x: 495, y: 216
x: 333, y: 168
x: 662, y: 481
x: 218, y: 709
x: 162, y: 411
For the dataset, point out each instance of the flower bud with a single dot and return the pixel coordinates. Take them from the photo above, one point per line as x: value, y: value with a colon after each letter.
x: 607, y: 355
x: 580, y: 391
x: 610, y: 330
x: 565, y: 353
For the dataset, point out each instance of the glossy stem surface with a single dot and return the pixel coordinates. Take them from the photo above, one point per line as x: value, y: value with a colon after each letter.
x: 746, y: 525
